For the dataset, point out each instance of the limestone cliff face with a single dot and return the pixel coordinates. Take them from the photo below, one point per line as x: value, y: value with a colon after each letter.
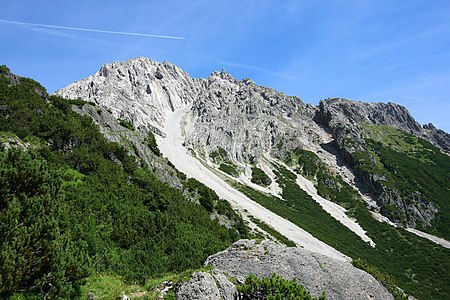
x: 139, y: 90
x: 245, y: 119
x: 248, y: 120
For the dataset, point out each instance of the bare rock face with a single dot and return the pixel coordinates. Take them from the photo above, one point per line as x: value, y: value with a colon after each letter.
x: 140, y: 90
x: 348, y: 112
x: 437, y: 136
x: 340, y: 280
x: 227, y: 289
x: 243, y: 118
x: 201, y: 286
x: 248, y: 120
x: 345, y: 118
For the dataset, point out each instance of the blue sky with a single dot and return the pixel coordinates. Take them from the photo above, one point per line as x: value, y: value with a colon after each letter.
x: 364, y: 50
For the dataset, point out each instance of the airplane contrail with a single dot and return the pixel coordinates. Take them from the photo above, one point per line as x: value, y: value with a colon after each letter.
x: 95, y: 30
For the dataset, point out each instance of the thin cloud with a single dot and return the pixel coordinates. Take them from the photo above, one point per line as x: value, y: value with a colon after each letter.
x: 60, y: 33
x: 94, y: 30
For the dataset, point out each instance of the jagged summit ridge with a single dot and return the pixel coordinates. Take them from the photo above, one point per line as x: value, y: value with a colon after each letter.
x: 139, y: 90
x: 376, y: 113
x: 246, y: 120
x: 243, y: 118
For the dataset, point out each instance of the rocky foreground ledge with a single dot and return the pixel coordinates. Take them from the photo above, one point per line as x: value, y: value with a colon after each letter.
x: 340, y: 280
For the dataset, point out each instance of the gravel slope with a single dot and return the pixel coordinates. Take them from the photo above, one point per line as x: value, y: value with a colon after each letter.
x: 172, y: 147
x: 335, y: 210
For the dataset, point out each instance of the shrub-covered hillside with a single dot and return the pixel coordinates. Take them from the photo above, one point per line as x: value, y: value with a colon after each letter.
x: 72, y: 203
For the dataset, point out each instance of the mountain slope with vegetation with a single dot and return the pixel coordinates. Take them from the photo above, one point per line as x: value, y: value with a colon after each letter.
x: 101, y: 200
x: 393, y: 158
x: 236, y: 128
x: 73, y: 204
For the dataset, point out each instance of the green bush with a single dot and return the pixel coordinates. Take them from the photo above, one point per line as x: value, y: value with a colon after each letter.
x: 387, y: 280
x: 274, y: 288
x: 126, y: 124
x: 260, y: 177
x: 229, y: 169
x: 220, y: 157
x: 219, y: 154
x: 4, y: 70
x: 151, y: 142
x: 37, y: 250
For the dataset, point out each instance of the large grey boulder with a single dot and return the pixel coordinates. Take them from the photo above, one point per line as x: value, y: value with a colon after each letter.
x: 318, y: 273
x: 202, y: 286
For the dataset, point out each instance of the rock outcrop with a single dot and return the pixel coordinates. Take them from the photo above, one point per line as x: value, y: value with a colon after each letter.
x: 437, y: 136
x: 248, y: 120
x: 16, y: 79
x: 207, y: 286
x: 347, y: 113
x: 318, y: 273
x: 345, y: 117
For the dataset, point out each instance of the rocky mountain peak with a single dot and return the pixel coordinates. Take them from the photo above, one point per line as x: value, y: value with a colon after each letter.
x: 139, y: 90
x: 223, y: 74
x: 243, y: 118
x: 376, y: 113
x: 339, y: 114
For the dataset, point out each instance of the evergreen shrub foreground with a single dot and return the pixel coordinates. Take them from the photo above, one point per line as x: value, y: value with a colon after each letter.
x: 274, y: 288
x: 73, y: 204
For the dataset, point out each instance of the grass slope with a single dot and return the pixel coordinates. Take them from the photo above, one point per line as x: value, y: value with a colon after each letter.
x: 418, y: 266
x: 412, y: 166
